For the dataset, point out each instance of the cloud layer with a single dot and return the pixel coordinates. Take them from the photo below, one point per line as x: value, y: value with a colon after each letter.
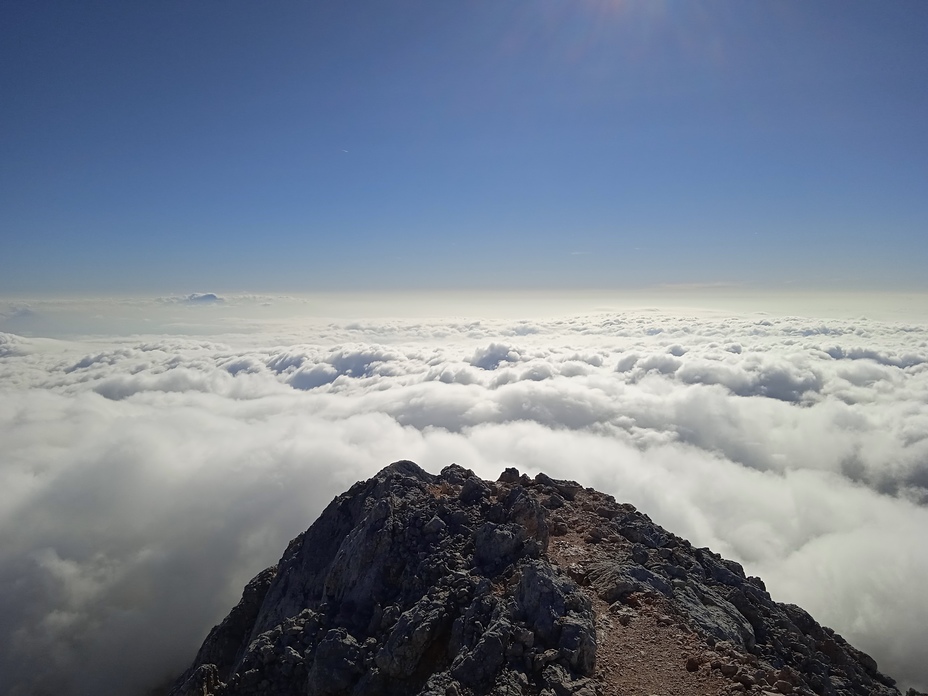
x: 144, y: 480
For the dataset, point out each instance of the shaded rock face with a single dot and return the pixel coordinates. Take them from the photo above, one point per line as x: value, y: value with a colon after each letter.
x: 449, y: 585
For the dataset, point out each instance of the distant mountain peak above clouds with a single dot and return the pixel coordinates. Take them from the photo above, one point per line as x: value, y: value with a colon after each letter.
x: 450, y: 585
x: 202, y: 298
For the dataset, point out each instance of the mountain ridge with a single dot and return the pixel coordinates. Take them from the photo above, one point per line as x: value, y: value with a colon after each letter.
x: 414, y: 583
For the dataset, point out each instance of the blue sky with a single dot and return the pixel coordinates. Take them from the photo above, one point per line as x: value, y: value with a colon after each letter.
x: 313, y: 146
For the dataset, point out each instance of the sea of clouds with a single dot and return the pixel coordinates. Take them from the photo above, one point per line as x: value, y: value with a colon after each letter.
x: 145, y: 479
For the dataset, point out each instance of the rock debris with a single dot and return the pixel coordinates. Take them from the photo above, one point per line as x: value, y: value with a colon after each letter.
x: 448, y: 585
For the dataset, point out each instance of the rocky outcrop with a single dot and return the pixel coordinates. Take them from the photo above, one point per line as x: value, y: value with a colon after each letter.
x: 412, y: 583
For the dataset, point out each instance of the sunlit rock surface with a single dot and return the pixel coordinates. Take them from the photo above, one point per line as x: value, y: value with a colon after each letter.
x: 411, y: 583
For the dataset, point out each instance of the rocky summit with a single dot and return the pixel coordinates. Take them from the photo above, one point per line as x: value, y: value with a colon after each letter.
x: 449, y: 585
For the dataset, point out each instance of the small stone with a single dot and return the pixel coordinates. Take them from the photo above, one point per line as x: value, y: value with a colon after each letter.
x: 623, y: 614
x: 473, y: 490
x: 509, y: 475
x: 553, y: 502
x: 607, y: 512
x: 434, y: 526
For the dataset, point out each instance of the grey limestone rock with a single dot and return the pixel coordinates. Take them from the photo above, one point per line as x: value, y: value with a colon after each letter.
x: 336, y: 664
x: 413, y: 584
x: 201, y: 681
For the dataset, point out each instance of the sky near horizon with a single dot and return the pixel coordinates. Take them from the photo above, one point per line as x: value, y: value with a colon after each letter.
x: 180, y: 147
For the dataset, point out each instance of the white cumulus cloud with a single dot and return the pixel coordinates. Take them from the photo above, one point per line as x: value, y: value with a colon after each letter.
x: 146, y: 478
